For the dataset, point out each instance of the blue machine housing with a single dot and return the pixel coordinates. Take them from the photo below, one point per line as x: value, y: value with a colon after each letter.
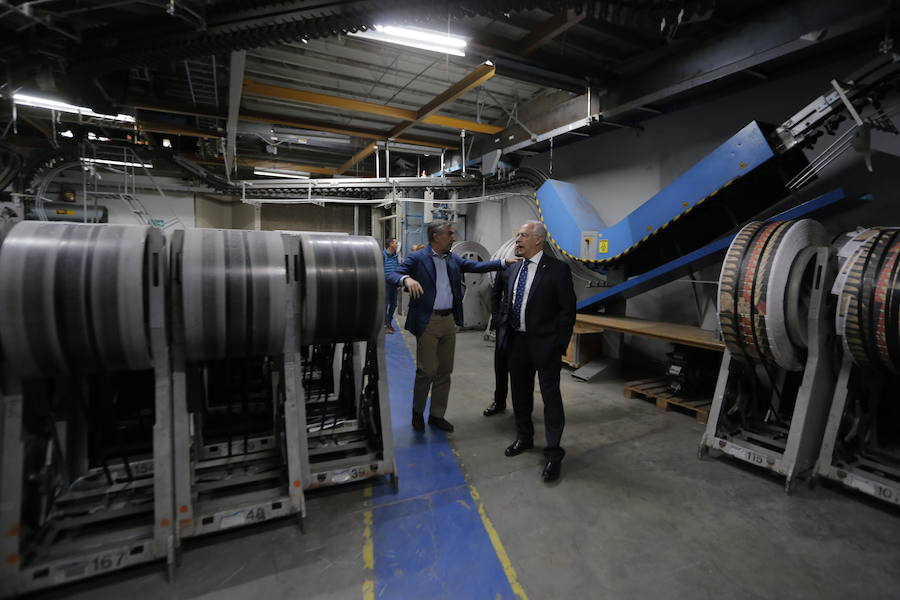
x: 577, y: 230
x: 567, y: 214
x: 713, y: 252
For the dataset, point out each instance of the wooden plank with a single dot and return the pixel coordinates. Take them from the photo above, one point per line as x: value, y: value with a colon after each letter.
x: 655, y: 389
x: 671, y: 332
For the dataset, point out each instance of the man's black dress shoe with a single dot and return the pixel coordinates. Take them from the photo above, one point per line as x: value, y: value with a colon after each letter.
x: 518, y: 447
x: 418, y: 422
x: 494, y: 409
x: 441, y: 423
x: 551, y: 470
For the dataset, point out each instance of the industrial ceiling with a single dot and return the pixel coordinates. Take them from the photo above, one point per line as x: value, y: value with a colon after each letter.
x: 292, y: 86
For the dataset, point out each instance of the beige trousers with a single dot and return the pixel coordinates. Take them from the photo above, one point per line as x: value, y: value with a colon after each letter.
x: 434, y: 364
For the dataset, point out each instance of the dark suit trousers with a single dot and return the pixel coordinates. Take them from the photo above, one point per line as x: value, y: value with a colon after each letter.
x: 521, y: 371
x: 501, y: 377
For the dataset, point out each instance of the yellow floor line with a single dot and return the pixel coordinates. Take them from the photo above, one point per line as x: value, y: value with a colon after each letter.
x: 508, y: 569
x: 368, y: 553
x: 499, y: 550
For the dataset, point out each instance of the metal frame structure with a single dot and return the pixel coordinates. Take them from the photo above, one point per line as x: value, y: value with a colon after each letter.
x: 269, y: 486
x: 791, y: 452
x: 142, y: 489
x: 869, y: 475
x: 361, y: 446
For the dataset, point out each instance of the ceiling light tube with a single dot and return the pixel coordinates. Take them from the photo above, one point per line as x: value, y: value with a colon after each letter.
x: 115, y: 163
x: 34, y: 101
x: 421, y: 35
x: 416, y: 38
x: 282, y: 175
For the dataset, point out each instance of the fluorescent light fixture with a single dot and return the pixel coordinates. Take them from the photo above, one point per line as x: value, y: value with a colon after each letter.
x: 281, y: 174
x: 416, y: 38
x: 25, y: 100
x: 67, y: 133
x: 114, y: 163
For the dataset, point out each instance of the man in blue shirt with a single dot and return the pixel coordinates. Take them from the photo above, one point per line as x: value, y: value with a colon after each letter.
x: 433, y: 276
x: 391, y: 262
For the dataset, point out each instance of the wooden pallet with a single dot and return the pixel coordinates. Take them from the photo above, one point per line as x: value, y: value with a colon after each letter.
x: 656, y: 389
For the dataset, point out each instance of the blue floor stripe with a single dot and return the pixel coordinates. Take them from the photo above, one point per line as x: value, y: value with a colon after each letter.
x: 429, y: 540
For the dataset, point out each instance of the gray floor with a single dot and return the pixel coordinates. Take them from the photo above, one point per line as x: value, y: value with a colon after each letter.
x: 635, y: 515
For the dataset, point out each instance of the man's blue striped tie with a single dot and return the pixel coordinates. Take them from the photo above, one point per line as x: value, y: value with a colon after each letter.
x: 520, y: 296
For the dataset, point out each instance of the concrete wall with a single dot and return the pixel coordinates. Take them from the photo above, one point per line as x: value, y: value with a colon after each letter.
x: 174, y: 209
x: 212, y: 211
x: 620, y: 170
x: 308, y: 217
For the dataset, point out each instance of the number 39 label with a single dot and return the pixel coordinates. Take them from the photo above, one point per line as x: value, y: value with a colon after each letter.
x: 348, y: 475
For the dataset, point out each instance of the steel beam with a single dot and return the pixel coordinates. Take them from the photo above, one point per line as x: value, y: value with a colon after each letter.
x: 782, y: 30
x: 369, y: 149
x: 404, y: 114
x: 235, y: 77
x: 548, y: 30
x: 267, y: 164
x: 257, y: 117
x: 464, y: 85
x: 368, y: 134
x: 469, y: 82
x: 176, y: 130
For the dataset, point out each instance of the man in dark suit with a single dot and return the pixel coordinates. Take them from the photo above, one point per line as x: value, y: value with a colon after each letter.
x: 536, y: 319
x: 433, y: 277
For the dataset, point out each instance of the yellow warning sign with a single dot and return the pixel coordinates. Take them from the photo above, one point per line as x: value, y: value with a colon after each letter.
x: 65, y: 211
x: 604, y: 246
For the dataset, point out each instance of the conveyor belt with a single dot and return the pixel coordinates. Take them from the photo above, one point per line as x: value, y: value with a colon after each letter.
x: 75, y: 297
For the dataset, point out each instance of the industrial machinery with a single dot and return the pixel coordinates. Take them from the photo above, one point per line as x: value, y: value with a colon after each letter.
x: 85, y: 463
x: 238, y: 437
x: 477, y: 286
x: 149, y: 396
x: 343, y: 381
x: 861, y: 446
x: 679, y: 229
x: 776, y: 378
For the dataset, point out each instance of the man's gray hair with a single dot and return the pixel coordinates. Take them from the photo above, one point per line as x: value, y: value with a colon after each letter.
x: 540, y: 230
x: 436, y: 227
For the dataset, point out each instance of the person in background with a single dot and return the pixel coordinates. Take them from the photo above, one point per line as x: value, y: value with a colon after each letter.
x: 501, y: 369
x: 391, y: 262
x: 433, y: 277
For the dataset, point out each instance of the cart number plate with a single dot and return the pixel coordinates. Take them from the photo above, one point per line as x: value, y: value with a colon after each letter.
x: 755, y: 458
x: 251, y: 515
x: 106, y: 562
x: 348, y: 475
